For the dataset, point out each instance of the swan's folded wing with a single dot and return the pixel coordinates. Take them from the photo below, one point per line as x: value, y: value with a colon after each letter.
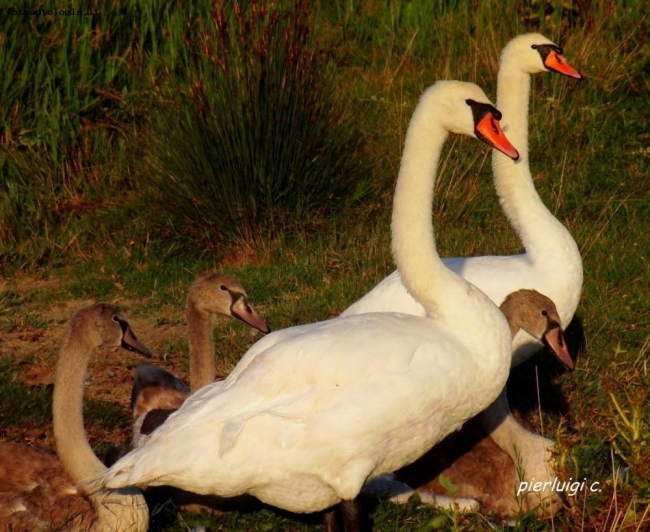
x: 324, y: 376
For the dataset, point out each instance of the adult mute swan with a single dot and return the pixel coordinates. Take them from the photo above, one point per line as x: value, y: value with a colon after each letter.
x: 476, y: 459
x: 36, y: 489
x: 156, y: 393
x: 551, y: 263
x: 306, y: 418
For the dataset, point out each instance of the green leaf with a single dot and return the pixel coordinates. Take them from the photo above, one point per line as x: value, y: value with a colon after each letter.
x: 439, y: 521
x: 448, y: 484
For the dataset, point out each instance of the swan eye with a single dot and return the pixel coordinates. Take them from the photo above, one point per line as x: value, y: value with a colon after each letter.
x: 470, y: 102
x: 223, y: 287
x: 534, y: 47
x: 544, y: 313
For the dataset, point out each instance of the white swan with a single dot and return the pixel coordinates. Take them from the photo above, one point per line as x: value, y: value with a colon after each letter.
x: 156, y: 393
x: 302, y: 423
x: 487, y: 463
x: 551, y: 264
x: 36, y: 489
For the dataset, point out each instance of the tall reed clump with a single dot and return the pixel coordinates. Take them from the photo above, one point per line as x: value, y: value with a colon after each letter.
x: 66, y: 110
x: 259, y: 138
x: 75, y: 93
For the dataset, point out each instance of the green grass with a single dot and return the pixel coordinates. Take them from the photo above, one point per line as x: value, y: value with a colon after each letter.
x: 589, y: 155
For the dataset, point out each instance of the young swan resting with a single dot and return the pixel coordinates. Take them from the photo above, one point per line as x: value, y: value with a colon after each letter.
x: 36, y: 489
x: 469, y: 458
x: 156, y: 393
x: 313, y: 412
x: 551, y: 263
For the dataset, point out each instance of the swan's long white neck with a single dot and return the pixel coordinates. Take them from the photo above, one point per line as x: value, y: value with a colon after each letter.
x: 542, y: 235
x: 76, y: 455
x: 463, y: 308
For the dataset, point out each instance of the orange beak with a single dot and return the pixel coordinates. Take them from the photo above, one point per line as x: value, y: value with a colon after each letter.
x: 490, y: 132
x: 555, y: 61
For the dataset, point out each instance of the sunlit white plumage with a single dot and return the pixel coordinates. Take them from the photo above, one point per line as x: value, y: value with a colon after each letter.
x: 551, y: 263
x: 155, y: 391
x: 311, y: 413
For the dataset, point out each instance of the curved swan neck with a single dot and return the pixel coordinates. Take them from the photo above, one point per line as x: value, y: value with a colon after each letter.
x: 413, y: 242
x: 200, y: 326
x: 456, y: 305
x: 72, y: 445
x: 120, y: 510
x: 535, y: 225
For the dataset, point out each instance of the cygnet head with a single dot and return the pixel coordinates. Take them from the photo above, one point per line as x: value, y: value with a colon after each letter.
x: 215, y: 293
x: 538, y: 316
x: 102, y: 325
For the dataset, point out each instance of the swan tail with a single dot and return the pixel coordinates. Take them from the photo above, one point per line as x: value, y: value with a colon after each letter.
x: 125, y: 473
x: 108, y: 480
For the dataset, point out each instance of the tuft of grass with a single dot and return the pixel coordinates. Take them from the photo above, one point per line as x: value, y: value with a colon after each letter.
x: 260, y: 138
x: 22, y: 405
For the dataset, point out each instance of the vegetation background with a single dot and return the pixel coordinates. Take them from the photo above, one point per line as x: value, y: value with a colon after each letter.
x: 148, y: 142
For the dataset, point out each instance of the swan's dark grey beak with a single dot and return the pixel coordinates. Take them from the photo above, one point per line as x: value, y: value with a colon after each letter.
x: 131, y: 343
x: 554, y: 338
x: 242, y: 310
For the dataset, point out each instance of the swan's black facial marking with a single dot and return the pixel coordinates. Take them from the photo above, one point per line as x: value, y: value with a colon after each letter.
x: 545, y: 49
x: 129, y: 340
x: 479, y: 112
x: 554, y: 61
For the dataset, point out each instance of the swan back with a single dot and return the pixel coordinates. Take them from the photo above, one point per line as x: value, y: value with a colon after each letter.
x: 155, y: 388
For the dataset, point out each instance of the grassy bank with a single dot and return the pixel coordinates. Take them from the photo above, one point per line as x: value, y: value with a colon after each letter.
x: 80, y: 104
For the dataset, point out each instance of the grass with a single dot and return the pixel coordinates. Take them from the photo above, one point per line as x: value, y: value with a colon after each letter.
x: 589, y: 156
x: 255, y: 135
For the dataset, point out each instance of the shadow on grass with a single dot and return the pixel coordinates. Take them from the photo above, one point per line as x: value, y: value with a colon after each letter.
x: 524, y: 381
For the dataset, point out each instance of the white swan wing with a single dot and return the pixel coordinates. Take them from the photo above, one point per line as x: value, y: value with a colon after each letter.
x: 306, y: 390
